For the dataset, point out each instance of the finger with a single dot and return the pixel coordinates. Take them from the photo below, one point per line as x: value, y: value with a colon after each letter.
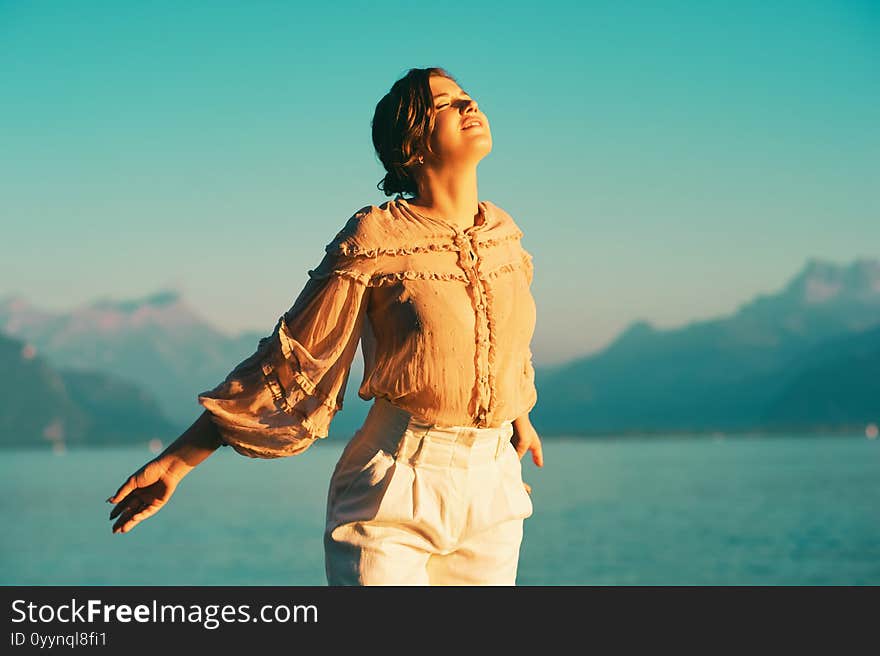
x: 125, y: 519
x: 118, y: 508
x: 123, y: 491
x: 527, y: 487
x: 521, y: 448
x: 126, y: 514
x: 128, y: 503
x: 537, y: 453
x: 140, y: 516
x: 125, y: 524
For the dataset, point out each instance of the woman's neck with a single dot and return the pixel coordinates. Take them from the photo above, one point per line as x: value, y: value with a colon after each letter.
x: 451, y: 197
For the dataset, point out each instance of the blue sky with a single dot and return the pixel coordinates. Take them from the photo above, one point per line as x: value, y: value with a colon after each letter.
x: 666, y: 160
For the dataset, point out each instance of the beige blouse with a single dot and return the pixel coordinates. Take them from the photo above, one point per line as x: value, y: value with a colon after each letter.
x: 445, y: 317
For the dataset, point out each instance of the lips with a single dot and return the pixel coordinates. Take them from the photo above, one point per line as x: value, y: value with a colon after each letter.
x: 471, y: 122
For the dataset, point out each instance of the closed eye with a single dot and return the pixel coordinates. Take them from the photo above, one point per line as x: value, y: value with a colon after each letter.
x: 465, y: 97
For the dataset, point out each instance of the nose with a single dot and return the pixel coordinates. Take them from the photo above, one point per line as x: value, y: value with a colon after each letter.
x: 470, y: 107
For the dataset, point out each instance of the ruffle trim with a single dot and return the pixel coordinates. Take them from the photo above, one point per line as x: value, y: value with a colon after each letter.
x: 303, y: 381
x: 525, y: 264
x: 246, y: 441
x: 492, y: 241
x: 378, y: 279
x: 490, y: 302
x: 435, y: 243
x: 350, y: 249
x: 305, y: 385
x: 528, y: 263
x: 266, y: 454
x: 504, y: 268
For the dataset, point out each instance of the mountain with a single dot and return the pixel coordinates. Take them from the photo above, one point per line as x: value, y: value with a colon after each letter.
x: 720, y: 374
x: 43, y: 405
x: 836, y: 384
x: 157, y: 342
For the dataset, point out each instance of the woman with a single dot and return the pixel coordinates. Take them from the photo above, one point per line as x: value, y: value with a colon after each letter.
x: 436, y: 288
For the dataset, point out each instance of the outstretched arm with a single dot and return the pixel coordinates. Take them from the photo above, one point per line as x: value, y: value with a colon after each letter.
x: 146, y: 491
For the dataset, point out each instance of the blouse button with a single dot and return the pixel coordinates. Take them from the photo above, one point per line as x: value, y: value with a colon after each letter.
x: 479, y: 306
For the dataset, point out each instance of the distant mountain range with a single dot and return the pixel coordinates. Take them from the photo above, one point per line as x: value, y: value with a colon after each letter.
x: 157, y: 342
x: 804, y: 358
x: 45, y: 406
x: 766, y: 366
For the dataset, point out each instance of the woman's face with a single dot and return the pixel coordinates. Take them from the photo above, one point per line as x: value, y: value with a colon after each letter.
x: 461, y: 131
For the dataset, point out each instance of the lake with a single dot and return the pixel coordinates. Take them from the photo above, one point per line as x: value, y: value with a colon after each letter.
x: 790, y: 510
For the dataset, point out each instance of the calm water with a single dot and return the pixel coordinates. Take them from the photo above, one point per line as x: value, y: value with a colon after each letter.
x: 780, y: 510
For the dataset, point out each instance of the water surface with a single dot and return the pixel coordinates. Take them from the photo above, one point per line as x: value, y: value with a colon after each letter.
x: 692, y: 511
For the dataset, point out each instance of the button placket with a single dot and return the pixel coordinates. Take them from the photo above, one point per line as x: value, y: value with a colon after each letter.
x: 468, y: 259
x: 483, y: 341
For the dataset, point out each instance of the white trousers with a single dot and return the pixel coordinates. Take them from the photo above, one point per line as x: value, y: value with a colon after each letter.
x: 412, y: 503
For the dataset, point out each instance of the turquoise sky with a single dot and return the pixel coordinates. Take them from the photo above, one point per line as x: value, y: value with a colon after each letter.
x: 666, y: 160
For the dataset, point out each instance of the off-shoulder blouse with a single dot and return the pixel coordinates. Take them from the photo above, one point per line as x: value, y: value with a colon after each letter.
x: 444, y: 315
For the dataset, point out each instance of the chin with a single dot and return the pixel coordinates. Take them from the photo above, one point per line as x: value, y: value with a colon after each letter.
x: 482, y: 147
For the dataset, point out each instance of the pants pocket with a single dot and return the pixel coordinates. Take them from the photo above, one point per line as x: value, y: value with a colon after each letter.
x: 364, y: 474
x: 371, y: 486
x: 520, y: 500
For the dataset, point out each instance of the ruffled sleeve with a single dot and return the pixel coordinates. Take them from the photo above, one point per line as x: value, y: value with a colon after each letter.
x: 283, y: 397
x: 528, y: 264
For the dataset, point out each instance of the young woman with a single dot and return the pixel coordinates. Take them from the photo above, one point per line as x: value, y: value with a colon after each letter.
x: 436, y: 288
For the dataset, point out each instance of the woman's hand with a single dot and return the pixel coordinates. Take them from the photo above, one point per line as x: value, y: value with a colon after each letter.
x: 146, y: 491
x: 150, y: 487
x: 525, y: 438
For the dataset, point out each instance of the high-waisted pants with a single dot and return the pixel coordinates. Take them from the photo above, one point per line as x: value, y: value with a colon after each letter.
x: 411, y: 503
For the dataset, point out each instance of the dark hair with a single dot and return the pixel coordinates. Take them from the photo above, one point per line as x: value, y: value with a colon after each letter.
x: 401, y: 125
